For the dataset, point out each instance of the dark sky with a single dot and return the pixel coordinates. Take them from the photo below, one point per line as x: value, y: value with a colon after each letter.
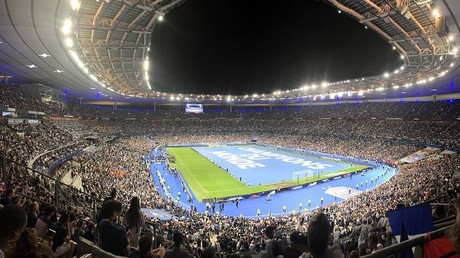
x: 257, y: 46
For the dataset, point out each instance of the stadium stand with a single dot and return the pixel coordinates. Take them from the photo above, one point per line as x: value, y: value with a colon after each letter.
x: 115, y: 161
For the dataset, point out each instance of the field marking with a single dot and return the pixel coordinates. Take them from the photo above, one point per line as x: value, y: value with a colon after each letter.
x: 180, y: 160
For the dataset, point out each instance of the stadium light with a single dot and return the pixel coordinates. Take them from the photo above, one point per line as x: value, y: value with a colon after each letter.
x: 386, y: 75
x: 451, y: 37
x: 75, y: 4
x: 160, y: 18
x: 436, y: 13
x: 67, y: 26
x: 93, y: 77
x: 69, y: 42
x: 74, y: 55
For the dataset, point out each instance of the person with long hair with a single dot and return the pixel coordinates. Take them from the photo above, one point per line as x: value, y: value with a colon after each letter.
x: 134, y: 221
x: 30, y: 245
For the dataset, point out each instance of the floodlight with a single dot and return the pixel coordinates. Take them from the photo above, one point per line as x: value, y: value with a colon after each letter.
x: 67, y: 26
x: 69, y: 42
x: 75, y: 4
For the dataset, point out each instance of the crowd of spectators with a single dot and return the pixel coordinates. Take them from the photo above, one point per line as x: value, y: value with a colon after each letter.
x: 45, y: 161
x: 425, y: 110
x: 13, y: 97
x: 357, y: 225
x: 23, y: 142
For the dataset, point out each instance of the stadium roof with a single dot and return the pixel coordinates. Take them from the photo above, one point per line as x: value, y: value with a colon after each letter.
x: 98, y: 49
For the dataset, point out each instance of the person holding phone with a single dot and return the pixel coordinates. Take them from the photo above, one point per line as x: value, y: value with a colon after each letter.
x: 43, y: 223
x: 62, y: 244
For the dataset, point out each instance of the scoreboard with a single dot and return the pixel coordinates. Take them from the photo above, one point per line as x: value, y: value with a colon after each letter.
x: 194, y: 108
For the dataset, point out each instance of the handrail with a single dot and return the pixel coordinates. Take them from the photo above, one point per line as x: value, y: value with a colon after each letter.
x: 58, y: 189
x: 394, y: 249
x: 61, y: 161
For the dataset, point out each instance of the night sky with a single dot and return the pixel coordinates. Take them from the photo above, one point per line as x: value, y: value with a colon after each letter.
x: 254, y: 46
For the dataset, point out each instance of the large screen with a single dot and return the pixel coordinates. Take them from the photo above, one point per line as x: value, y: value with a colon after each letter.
x: 193, y: 108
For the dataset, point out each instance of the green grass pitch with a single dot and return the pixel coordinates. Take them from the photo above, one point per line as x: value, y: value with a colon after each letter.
x: 208, y: 181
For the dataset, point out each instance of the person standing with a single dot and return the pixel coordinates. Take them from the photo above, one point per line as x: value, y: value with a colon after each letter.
x: 112, y: 237
x: 319, y: 231
x: 62, y: 245
x: 134, y: 221
x: 32, y: 215
x: 44, y: 221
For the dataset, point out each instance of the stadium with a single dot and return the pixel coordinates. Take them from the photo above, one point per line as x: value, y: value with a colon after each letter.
x: 106, y: 159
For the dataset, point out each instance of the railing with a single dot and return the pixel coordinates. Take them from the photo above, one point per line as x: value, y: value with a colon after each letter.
x: 61, y: 161
x: 46, y: 189
x: 392, y: 251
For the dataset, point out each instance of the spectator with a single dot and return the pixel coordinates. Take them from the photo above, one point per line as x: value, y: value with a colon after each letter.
x: 318, y: 238
x: 112, y: 196
x: 88, y: 229
x: 104, y: 212
x: 269, y: 233
x: 298, y: 245
x: 454, y: 231
x: 30, y: 245
x: 208, y: 253
x: 113, y: 238
x: 134, y: 221
x: 145, y: 249
x: 32, y: 215
x: 176, y: 250
x: 62, y: 244
x: 7, y: 198
x: 44, y: 221
x: 13, y: 220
